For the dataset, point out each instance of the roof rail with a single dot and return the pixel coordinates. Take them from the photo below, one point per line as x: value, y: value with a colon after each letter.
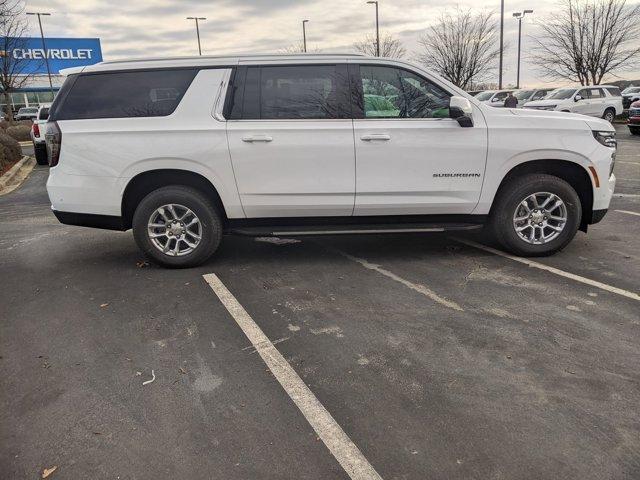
x: 216, y: 57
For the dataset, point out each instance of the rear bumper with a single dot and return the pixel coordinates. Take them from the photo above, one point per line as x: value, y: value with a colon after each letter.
x: 107, y: 222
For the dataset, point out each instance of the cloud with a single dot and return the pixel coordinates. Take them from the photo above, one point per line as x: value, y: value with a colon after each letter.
x: 158, y: 27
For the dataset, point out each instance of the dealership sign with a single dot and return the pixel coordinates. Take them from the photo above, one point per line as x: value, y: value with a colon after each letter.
x: 60, y: 53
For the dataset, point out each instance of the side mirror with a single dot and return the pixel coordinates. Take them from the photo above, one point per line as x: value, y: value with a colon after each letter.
x: 495, y: 99
x: 461, y: 110
x: 578, y: 97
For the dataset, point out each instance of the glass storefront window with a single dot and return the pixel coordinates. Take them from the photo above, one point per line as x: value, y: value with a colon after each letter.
x: 45, y: 97
x: 32, y: 98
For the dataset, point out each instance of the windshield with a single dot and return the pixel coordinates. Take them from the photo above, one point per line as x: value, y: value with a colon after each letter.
x: 563, y: 93
x: 485, y: 95
x: 522, y: 94
x: 631, y: 90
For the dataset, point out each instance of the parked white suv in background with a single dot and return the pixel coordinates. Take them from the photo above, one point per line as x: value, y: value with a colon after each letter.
x: 495, y: 98
x: 185, y: 150
x: 603, y: 101
x: 37, y: 133
x: 530, y: 95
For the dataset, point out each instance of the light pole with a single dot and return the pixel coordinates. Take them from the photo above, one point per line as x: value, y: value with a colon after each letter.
x: 501, y: 43
x: 520, y: 16
x: 377, y: 28
x: 198, y: 30
x: 44, y: 47
x: 304, y: 36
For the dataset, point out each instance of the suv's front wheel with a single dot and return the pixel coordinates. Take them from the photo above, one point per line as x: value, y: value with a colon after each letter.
x: 177, y: 227
x: 536, y: 215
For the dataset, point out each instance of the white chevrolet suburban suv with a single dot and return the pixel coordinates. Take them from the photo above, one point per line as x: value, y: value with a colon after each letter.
x: 185, y: 150
x: 602, y: 101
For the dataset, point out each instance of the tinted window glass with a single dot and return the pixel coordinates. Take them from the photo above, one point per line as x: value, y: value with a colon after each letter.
x: 395, y: 93
x: 501, y: 95
x: 128, y: 94
x: 44, y: 114
x: 596, y: 93
x: 311, y: 91
x: 614, y: 91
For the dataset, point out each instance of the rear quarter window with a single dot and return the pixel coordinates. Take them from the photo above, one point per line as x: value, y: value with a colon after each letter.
x: 154, y: 93
x: 614, y: 91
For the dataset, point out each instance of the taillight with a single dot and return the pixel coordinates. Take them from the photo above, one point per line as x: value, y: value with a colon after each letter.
x: 36, y: 130
x: 53, y: 137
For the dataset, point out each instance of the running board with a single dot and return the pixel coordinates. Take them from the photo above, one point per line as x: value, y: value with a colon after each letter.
x: 294, y: 231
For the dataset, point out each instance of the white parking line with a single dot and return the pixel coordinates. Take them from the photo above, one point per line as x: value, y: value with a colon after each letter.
x: 627, y: 211
x: 337, y: 441
x: 413, y: 286
x: 557, y: 271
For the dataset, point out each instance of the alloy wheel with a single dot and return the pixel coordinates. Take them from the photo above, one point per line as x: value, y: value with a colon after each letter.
x: 174, y: 229
x: 540, y: 218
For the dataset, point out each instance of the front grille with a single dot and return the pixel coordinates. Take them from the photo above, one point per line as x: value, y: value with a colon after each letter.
x: 634, y: 112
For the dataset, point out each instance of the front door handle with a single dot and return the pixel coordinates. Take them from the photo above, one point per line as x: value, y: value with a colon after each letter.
x: 375, y: 136
x: 257, y: 138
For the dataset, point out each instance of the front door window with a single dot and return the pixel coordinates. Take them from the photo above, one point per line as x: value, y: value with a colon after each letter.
x: 395, y: 93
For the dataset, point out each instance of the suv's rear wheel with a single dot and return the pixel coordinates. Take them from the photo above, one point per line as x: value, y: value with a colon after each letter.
x: 609, y: 115
x: 536, y: 215
x: 177, y: 227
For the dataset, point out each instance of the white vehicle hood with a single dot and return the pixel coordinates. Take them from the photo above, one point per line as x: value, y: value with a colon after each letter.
x: 592, y: 122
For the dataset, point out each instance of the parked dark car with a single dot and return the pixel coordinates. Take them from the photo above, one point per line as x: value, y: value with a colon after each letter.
x: 634, y: 118
x: 630, y: 95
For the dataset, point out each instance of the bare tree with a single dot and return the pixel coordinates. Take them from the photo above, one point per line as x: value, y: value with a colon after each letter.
x: 587, y: 40
x: 14, y: 72
x: 462, y: 47
x: 390, y: 47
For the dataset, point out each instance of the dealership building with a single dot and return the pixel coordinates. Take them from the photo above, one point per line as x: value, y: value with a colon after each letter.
x: 60, y: 53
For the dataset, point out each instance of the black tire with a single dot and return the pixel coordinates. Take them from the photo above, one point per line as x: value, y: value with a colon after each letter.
x: 40, y: 152
x: 210, y: 221
x: 634, y: 130
x: 609, y: 112
x: 507, y: 201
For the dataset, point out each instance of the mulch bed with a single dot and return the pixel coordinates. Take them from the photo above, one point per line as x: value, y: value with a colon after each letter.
x: 7, y: 167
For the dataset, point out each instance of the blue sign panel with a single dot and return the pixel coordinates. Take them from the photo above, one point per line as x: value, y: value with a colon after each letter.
x: 61, y: 53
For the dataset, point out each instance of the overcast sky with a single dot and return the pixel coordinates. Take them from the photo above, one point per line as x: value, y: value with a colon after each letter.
x: 144, y: 28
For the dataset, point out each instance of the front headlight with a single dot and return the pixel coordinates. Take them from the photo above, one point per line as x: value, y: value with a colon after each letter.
x: 608, y: 139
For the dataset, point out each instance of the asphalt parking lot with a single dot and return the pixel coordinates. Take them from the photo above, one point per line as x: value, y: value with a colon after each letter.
x: 437, y: 359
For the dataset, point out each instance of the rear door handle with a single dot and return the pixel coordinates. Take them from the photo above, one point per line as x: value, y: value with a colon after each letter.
x: 257, y: 138
x: 375, y: 136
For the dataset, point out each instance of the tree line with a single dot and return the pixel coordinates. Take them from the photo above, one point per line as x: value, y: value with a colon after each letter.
x: 582, y: 41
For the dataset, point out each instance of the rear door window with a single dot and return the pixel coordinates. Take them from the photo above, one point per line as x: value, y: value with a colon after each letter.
x: 290, y: 92
x: 596, y: 93
x: 154, y: 93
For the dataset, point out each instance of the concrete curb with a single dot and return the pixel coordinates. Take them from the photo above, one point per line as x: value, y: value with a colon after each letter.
x: 16, y: 175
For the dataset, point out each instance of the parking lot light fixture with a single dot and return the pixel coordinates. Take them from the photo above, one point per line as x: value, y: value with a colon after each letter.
x: 304, y: 36
x: 377, y: 27
x: 198, y: 30
x: 519, y: 16
x: 44, y: 47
